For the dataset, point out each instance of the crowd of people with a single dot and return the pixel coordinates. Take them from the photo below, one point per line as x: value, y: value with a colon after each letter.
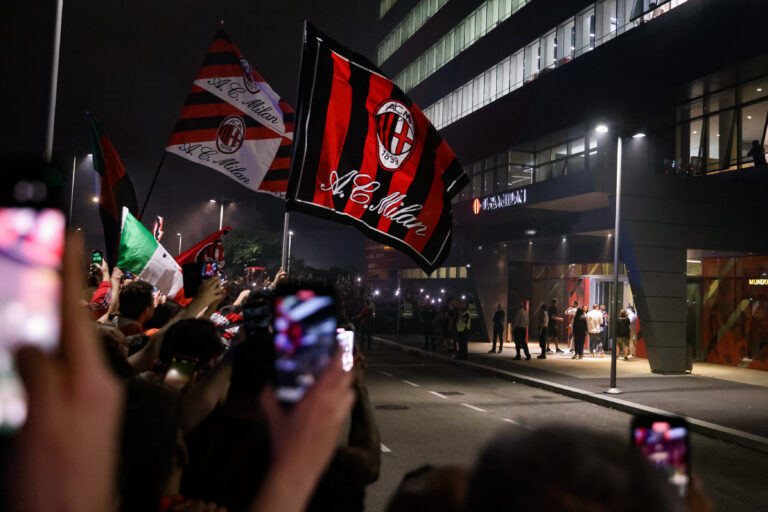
x: 116, y: 423
x: 582, y: 325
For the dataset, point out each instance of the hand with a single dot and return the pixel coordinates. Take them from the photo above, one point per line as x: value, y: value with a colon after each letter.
x: 70, y: 438
x: 280, y: 276
x: 117, y: 274
x: 303, y: 439
x: 104, y: 270
x: 210, y: 292
x: 242, y: 297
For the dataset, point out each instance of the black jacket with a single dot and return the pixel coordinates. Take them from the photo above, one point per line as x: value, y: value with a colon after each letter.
x: 580, y: 326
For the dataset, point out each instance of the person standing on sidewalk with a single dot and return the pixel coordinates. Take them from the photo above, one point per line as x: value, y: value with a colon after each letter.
x: 594, y: 326
x: 632, y: 315
x: 622, y: 334
x: 540, y: 320
x: 365, y: 317
x: 553, y: 313
x: 570, y: 313
x: 521, y: 331
x: 498, y: 329
x: 428, y: 317
x: 607, y: 343
x: 462, y: 329
x: 579, y: 333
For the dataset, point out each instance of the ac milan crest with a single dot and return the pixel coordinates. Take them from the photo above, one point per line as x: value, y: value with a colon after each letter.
x: 394, y: 133
x: 230, y: 134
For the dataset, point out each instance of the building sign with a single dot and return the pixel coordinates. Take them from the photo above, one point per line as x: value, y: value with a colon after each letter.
x: 498, y: 201
x: 758, y: 282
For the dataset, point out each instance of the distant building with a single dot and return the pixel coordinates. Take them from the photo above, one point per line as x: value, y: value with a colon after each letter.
x: 518, y: 88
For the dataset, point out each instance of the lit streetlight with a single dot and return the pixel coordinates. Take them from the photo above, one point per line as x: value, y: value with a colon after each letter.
x: 290, y: 238
x: 179, y: 235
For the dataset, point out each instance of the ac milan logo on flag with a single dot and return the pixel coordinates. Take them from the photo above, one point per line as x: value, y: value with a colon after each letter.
x: 367, y: 156
x: 250, y: 83
x: 394, y: 133
x: 230, y: 134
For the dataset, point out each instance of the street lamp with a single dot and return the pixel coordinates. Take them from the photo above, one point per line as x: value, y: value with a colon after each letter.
x: 221, y: 202
x: 89, y: 156
x: 601, y: 128
x: 179, y: 235
x: 290, y: 238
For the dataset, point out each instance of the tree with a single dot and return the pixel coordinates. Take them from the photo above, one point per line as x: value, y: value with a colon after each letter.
x: 251, y: 246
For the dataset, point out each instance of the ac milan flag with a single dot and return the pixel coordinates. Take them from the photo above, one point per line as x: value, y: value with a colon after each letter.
x: 116, y: 188
x: 366, y: 156
x: 157, y: 228
x: 210, y: 249
x: 235, y: 123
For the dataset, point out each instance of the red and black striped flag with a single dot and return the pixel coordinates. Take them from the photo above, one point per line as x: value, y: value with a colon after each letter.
x: 116, y: 188
x: 366, y: 156
x: 235, y: 123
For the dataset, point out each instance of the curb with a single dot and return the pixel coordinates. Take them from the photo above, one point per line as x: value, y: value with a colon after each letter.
x: 727, y: 434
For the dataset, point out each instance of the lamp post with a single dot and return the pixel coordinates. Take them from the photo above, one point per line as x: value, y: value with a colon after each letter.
x: 288, y: 263
x: 221, y: 202
x: 72, y: 187
x: 613, y: 389
x: 179, y: 235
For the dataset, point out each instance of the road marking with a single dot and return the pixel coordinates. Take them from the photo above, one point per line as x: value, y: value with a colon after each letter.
x: 474, y: 408
x: 438, y: 394
x: 385, y: 373
x: 516, y: 423
x: 384, y: 449
x: 411, y: 383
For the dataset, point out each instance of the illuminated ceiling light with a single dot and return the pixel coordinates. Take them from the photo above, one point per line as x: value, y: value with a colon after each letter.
x: 638, y: 135
x: 693, y: 261
x: 601, y: 128
x: 573, y: 47
x: 610, y: 235
x: 694, y: 131
x: 718, y: 134
x: 749, y: 117
x: 759, y: 89
x: 591, y: 34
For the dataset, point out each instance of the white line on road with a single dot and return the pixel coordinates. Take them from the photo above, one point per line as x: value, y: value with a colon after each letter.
x: 411, y: 383
x: 474, y: 408
x: 516, y: 423
x: 384, y: 449
x: 385, y: 373
x: 438, y: 394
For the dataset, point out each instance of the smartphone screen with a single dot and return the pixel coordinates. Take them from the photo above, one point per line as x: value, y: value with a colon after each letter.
x: 181, y: 371
x: 664, y: 442
x: 305, y: 340
x: 97, y: 257
x: 31, y: 246
x: 346, y: 341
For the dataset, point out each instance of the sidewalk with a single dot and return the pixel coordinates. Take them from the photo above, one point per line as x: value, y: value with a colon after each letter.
x: 720, y: 401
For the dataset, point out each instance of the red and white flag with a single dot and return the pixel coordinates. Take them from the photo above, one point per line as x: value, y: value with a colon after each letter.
x: 235, y: 123
x: 209, y: 249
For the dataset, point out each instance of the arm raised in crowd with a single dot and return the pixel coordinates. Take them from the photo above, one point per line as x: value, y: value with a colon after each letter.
x: 67, y: 449
x: 362, y: 455
x: 303, y: 440
x: 209, y: 292
x: 202, y: 395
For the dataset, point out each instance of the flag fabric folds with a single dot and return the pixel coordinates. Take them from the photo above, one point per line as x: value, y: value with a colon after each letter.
x: 365, y: 155
x: 235, y: 123
x: 141, y: 254
x: 116, y: 187
x: 209, y: 249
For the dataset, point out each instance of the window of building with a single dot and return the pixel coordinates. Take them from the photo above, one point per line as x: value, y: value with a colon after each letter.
x: 753, y: 128
x: 549, y: 49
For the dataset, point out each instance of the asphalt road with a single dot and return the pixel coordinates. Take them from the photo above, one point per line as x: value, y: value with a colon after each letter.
x: 431, y: 412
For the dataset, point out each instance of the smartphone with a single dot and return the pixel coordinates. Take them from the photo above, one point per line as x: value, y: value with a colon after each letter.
x: 663, y: 440
x: 31, y: 247
x: 346, y: 341
x: 97, y: 256
x: 304, y: 328
x: 128, y: 274
x: 181, y: 371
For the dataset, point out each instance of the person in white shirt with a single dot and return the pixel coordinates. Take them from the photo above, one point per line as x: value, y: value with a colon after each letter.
x: 632, y: 330
x: 521, y: 331
x: 594, y: 324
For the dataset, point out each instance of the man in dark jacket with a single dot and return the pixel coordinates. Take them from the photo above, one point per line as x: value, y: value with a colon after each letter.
x: 498, y: 329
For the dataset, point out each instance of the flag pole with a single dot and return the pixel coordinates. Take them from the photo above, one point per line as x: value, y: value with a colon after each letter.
x: 48, y: 155
x: 286, y: 222
x: 152, y: 186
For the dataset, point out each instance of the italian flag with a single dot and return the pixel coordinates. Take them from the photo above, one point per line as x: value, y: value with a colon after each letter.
x: 142, y: 255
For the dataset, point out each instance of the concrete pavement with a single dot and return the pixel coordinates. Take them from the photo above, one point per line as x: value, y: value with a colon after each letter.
x: 727, y: 403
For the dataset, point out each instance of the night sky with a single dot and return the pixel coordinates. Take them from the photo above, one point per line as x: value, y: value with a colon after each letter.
x: 132, y: 65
